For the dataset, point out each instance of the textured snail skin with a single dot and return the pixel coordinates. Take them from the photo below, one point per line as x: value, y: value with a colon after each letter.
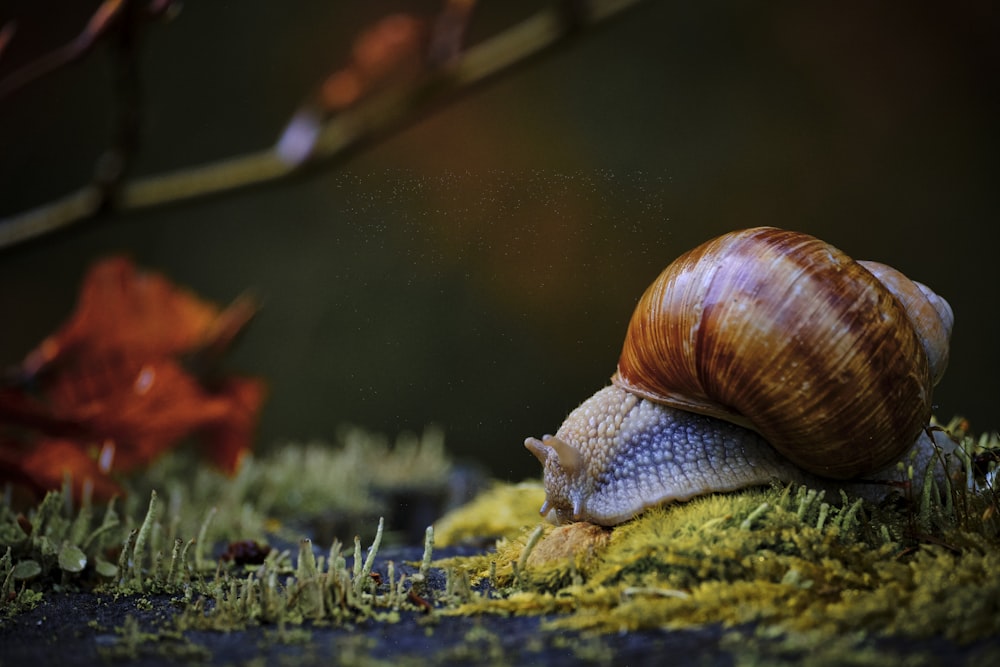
x: 634, y: 453
x: 629, y: 454
x: 762, y: 355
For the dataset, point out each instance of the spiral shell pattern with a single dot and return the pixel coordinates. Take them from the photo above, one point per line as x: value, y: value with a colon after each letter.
x: 785, y: 334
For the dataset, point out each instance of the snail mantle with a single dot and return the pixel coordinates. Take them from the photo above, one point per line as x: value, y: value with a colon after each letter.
x: 762, y: 355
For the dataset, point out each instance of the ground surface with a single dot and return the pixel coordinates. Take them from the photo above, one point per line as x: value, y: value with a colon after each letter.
x: 84, y: 629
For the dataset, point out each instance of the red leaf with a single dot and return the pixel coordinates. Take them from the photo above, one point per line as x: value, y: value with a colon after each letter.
x: 123, y: 310
x: 144, y: 409
x: 49, y: 461
x: 228, y: 437
x: 113, y: 375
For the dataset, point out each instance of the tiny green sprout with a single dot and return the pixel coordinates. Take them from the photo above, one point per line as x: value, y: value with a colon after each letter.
x: 105, y: 568
x: 309, y: 594
x: 714, y: 523
x: 176, y: 562
x: 927, y: 495
x: 824, y: 509
x: 419, y: 579
x: 361, y: 580
x: 72, y: 558
x: 78, y: 529
x: 758, y: 512
x: 26, y: 569
x: 808, y: 501
x: 318, y: 588
x: 125, y: 557
x: 109, y: 523
x: 847, y: 519
x: 6, y: 576
x: 356, y: 566
x: 457, y: 585
x: 199, y: 547
x: 529, y: 546
x: 47, y: 514
x: 425, y: 562
x: 139, y: 548
x: 793, y: 577
x: 307, y: 560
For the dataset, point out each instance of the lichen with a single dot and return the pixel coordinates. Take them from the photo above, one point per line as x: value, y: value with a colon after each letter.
x: 296, y: 488
x: 319, y: 589
x: 785, y: 567
x: 502, y: 511
x: 163, y: 535
x: 52, y: 543
x: 785, y: 560
x: 779, y: 558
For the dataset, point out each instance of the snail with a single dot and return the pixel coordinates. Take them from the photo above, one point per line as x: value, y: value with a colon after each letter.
x: 762, y: 355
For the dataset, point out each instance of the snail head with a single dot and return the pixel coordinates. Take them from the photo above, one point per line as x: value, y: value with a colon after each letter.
x: 565, y: 469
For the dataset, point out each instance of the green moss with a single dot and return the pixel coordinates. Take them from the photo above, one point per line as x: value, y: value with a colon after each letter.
x: 782, y: 559
x: 317, y: 589
x: 53, y: 544
x: 804, y: 570
x: 502, y: 511
x: 56, y: 545
x: 298, y: 487
x: 787, y: 560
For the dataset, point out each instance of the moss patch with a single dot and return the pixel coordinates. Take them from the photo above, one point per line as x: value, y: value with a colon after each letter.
x: 781, y: 558
x: 165, y: 536
x: 505, y: 510
x: 792, y: 572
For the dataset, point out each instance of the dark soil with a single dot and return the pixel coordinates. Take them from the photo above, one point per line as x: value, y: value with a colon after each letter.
x: 84, y: 628
x: 78, y: 629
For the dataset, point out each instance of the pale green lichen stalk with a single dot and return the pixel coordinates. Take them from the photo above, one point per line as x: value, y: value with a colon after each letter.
x: 794, y: 561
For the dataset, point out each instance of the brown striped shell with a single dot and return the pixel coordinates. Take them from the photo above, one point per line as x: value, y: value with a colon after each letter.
x: 785, y: 334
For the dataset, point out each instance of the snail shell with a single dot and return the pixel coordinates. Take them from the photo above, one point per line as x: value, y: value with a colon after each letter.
x: 831, y: 361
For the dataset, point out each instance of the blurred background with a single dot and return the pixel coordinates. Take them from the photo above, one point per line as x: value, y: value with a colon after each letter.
x: 477, y: 270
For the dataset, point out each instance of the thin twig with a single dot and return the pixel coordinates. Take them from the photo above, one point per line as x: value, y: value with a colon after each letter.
x: 338, y: 137
x: 97, y: 27
x: 101, y: 23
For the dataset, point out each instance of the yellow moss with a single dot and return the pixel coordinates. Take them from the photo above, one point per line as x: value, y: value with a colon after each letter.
x: 502, y: 511
x: 579, y: 542
x: 501, y: 563
x: 784, y: 559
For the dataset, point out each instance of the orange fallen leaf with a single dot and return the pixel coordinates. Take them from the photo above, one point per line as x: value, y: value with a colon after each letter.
x: 122, y: 310
x: 45, y: 465
x: 228, y: 438
x: 145, y: 409
x: 112, y: 386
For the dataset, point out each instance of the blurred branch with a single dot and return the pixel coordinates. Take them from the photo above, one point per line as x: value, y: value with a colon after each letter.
x: 108, y: 18
x: 330, y: 128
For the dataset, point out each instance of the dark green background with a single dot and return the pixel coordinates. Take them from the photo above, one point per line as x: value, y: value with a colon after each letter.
x: 478, y: 269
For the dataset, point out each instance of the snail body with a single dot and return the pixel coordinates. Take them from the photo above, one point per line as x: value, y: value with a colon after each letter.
x: 760, y: 355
